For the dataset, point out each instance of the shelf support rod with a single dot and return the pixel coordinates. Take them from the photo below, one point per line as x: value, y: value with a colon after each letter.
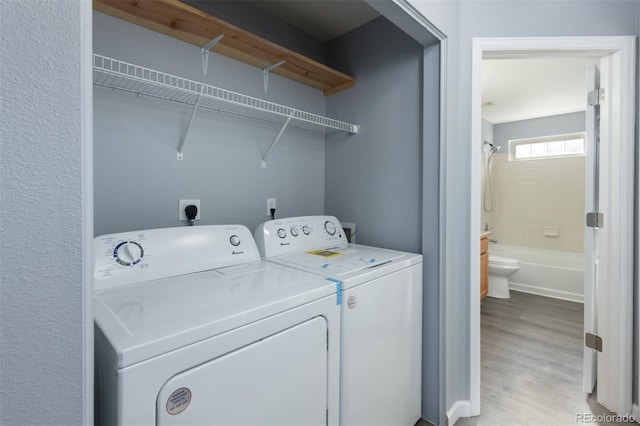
x: 266, y: 71
x: 275, y: 141
x: 205, y: 52
x: 186, y: 130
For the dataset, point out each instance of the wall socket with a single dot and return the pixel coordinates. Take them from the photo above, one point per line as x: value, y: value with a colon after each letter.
x: 271, y: 204
x: 349, y: 229
x: 182, y: 216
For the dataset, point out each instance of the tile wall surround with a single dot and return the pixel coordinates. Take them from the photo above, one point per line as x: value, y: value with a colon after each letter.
x: 529, y: 195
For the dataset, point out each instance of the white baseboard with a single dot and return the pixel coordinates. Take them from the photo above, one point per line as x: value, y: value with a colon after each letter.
x: 548, y: 292
x: 457, y: 410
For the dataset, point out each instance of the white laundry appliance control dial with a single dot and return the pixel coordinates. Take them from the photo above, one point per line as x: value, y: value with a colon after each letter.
x: 330, y: 227
x: 234, y: 240
x: 282, y: 233
x: 306, y: 230
x: 294, y: 231
x: 128, y: 253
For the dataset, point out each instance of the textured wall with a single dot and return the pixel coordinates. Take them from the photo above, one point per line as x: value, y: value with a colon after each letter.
x: 374, y: 178
x: 138, y: 180
x: 536, y: 193
x: 41, y: 205
x: 530, y: 195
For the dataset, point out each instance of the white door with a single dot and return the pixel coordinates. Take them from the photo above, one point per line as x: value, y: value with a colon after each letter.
x: 279, y: 380
x: 591, y: 246
x: 608, y: 248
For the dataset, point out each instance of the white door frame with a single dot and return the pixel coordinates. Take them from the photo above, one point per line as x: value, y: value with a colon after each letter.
x: 528, y: 47
x: 86, y: 81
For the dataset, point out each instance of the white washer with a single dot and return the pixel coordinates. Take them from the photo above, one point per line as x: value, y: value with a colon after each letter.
x: 381, y: 308
x: 193, y: 328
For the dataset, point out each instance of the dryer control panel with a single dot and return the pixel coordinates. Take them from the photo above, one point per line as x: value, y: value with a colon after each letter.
x: 298, y: 234
x: 132, y: 257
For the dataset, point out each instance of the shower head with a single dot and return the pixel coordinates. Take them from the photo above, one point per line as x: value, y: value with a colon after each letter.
x: 490, y: 148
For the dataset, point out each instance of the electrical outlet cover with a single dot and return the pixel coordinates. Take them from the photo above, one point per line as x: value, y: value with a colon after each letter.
x: 182, y: 216
x: 271, y: 204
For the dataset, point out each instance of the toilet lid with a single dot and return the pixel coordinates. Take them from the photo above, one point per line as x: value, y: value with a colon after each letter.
x: 499, y: 260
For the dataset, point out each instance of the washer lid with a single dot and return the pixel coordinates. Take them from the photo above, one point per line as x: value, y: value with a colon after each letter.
x: 144, y: 320
x: 351, y: 264
x: 499, y: 260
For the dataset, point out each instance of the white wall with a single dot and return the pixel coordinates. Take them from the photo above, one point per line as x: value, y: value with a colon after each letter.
x: 461, y: 22
x: 42, y: 306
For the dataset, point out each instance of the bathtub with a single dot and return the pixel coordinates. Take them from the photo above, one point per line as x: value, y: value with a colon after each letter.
x: 552, y: 273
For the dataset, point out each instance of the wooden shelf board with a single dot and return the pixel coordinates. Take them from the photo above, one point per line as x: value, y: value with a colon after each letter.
x: 186, y: 23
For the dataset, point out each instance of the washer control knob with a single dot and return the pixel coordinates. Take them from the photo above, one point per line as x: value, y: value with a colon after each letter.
x: 293, y: 231
x: 282, y: 233
x: 330, y: 227
x: 234, y: 240
x: 128, y: 253
x: 306, y: 230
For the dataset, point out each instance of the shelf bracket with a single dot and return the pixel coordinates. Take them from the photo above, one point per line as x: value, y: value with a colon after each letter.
x: 205, y: 52
x: 275, y: 141
x: 186, y: 130
x: 267, y: 70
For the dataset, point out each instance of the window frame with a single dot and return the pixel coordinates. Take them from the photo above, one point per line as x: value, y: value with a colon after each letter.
x: 513, y: 143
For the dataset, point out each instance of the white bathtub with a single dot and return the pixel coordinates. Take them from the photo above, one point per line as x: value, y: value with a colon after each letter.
x: 552, y: 273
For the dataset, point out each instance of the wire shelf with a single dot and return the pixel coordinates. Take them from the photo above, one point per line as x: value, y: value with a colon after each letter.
x: 115, y: 74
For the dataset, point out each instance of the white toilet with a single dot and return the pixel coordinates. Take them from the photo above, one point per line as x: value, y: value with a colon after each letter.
x: 500, y: 269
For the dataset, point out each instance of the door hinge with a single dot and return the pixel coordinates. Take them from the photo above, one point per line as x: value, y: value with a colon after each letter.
x: 595, y: 220
x: 595, y: 97
x: 593, y: 342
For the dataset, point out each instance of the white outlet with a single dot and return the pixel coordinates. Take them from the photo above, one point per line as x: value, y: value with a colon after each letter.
x: 184, y: 203
x: 271, y: 204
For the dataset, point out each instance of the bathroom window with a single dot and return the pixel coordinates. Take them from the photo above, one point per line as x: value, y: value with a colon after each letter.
x: 547, y: 147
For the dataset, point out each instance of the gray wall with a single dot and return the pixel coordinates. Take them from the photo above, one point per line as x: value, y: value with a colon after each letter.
x: 461, y: 21
x: 138, y: 180
x: 538, y: 127
x: 252, y: 19
x: 374, y: 178
x: 41, y: 214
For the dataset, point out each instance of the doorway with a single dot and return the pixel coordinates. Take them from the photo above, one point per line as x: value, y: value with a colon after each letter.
x: 618, y: 250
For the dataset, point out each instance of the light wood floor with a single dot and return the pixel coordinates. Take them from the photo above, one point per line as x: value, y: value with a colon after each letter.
x: 531, y: 363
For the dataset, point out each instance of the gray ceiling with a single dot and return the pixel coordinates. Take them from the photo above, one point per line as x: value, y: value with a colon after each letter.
x: 322, y: 19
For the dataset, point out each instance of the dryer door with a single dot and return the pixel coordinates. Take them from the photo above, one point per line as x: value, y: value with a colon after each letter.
x: 279, y: 380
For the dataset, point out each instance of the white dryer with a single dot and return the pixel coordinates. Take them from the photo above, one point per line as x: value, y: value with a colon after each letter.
x: 193, y: 328
x: 381, y: 309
